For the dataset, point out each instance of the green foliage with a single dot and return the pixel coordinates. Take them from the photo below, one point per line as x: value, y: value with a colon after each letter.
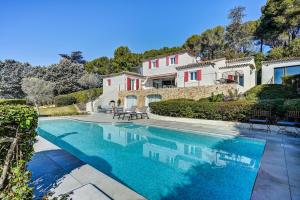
x: 279, y: 18
x: 25, y: 119
x: 271, y: 92
x: 276, y: 53
x: 259, y: 57
x: 239, y: 110
x: 192, y: 42
x: 291, y: 81
x: 161, y: 52
x: 292, y: 104
x: 64, y: 100
x: 125, y: 60
x: 100, y: 65
x: 216, y: 98
x: 12, y: 101
x: 83, y: 96
x: 232, y: 111
x: 293, y: 49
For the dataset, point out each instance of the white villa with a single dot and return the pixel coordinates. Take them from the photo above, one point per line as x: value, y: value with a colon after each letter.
x: 274, y: 70
x: 173, y: 76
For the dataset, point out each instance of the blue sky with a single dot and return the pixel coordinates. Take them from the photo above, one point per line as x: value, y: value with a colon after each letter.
x: 35, y: 31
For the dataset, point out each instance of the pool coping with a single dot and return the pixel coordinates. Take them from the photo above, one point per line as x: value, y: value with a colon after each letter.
x: 82, y: 176
x: 276, y: 179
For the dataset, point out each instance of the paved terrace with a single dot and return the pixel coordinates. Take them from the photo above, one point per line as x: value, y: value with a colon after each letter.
x: 278, y: 176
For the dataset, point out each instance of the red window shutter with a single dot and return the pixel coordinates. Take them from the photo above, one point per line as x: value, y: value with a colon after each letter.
x: 157, y: 63
x: 109, y: 82
x: 149, y: 64
x: 137, y: 83
x: 199, y: 75
x: 128, y: 84
x: 230, y: 77
x: 186, y: 76
x: 167, y: 60
x: 176, y: 59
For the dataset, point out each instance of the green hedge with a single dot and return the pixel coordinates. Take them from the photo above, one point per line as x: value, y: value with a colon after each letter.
x: 64, y: 100
x: 12, y: 101
x: 228, y: 111
x: 272, y: 91
x: 25, y: 119
x: 82, y: 96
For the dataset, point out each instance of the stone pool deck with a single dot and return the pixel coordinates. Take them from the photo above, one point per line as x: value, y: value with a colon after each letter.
x: 278, y: 176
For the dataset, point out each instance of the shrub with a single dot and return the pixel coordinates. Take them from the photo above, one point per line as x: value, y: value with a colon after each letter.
x: 24, y: 119
x: 12, y: 101
x: 64, y: 100
x: 232, y: 111
x: 84, y: 96
x: 238, y: 110
x: 292, y: 104
x: 271, y: 92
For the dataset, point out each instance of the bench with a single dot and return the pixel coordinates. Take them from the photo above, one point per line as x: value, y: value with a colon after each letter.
x: 260, y: 117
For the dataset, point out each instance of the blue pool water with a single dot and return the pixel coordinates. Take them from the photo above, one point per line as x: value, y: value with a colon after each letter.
x: 162, y: 163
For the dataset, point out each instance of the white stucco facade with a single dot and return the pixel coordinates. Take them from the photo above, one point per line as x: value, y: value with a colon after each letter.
x: 179, y: 70
x: 268, y: 68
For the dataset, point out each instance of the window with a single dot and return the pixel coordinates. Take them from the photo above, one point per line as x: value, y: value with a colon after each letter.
x: 193, y: 76
x: 285, y: 71
x: 154, y: 64
x: 132, y: 84
x: 241, y: 80
x: 108, y: 82
x: 172, y: 60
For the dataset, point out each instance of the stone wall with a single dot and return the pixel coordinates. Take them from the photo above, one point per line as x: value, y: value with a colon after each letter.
x: 178, y: 93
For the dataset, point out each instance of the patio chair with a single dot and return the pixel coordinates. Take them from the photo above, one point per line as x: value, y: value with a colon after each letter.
x: 260, y: 117
x: 291, y: 119
x: 130, y: 113
x: 143, y: 112
x: 117, y: 112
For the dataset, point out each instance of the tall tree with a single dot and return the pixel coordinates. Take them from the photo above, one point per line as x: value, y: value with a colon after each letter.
x: 192, y: 43
x: 124, y: 60
x: 11, y: 74
x: 37, y: 90
x: 280, y: 21
x: 212, y: 42
x: 235, y: 35
x: 75, y: 56
x: 100, y: 65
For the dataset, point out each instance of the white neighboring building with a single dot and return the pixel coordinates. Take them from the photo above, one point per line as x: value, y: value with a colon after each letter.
x: 178, y: 70
x: 274, y: 70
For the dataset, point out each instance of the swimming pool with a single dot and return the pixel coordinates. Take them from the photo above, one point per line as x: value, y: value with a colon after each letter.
x: 162, y: 163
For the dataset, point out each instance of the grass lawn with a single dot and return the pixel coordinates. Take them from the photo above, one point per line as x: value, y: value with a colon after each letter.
x: 59, y: 111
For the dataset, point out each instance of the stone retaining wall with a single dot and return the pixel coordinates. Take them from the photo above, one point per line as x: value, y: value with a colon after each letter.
x: 178, y: 93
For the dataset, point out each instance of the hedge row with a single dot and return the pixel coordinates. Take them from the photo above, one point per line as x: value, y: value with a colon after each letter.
x: 83, y: 96
x: 25, y: 119
x: 12, y: 101
x: 228, y: 111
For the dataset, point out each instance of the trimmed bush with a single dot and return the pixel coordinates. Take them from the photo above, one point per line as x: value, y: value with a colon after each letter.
x: 12, y: 101
x: 292, y: 104
x: 271, y: 92
x: 64, y: 100
x: 228, y: 111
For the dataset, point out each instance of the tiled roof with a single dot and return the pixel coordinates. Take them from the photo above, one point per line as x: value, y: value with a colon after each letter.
x: 170, y: 54
x: 240, y: 59
x: 236, y: 66
x: 193, y: 65
x: 281, y: 60
x: 121, y: 73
